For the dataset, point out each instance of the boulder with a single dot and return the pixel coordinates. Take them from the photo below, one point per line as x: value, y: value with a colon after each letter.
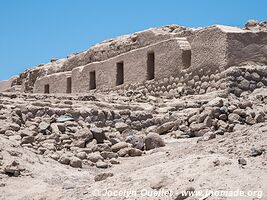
x: 103, y: 176
x: 124, y: 152
x: 135, y: 152
x: 119, y: 146
x: 82, y: 155
x: 27, y: 140
x: 101, y: 164
x: 164, y: 128
x: 216, y: 102
x: 108, y: 155
x: 120, y: 126
x: 75, y: 162
x: 260, y: 117
x: 234, y: 118
x: 84, y: 134
x: 114, y: 161
x: 98, y: 134
x: 136, y: 141
x: 13, y: 169
x: 94, y: 157
x: 153, y: 140
x: 64, y: 159
x: 43, y: 126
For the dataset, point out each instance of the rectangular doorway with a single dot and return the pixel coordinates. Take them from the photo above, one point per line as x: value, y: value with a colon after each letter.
x: 46, y: 89
x: 69, y: 85
x: 92, y: 83
x: 186, y: 58
x: 150, y: 65
x: 120, y: 73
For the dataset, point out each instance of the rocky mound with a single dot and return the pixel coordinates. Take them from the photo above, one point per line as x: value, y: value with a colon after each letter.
x: 84, y: 140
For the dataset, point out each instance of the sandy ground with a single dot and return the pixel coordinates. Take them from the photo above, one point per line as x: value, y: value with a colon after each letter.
x: 180, y: 164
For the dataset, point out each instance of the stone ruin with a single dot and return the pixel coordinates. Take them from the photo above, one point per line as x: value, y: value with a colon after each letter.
x: 140, y: 92
x: 171, y: 61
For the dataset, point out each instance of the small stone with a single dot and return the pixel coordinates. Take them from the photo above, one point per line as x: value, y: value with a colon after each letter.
x: 75, y: 162
x: 13, y: 169
x: 244, y: 84
x: 208, y: 121
x: 242, y: 161
x: 161, y: 182
x: 103, y: 176
x: 216, y: 162
x: 245, y: 104
x: 114, y: 161
x: 55, y: 129
x: 102, y: 165
x: 124, y: 152
x: 14, y: 127
x: 223, y: 117
x: 256, y: 152
x: 209, y: 136
x: 135, y: 152
x: 108, y: 155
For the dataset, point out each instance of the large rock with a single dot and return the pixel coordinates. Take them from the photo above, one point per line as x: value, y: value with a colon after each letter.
x: 234, y: 118
x: 94, y: 157
x: 164, y: 128
x: 135, y: 152
x: 98, y: 134
x: 136, y: 141
x: 101, y: 164
x: 13, y: 169
x: 27, y: 140
x: 84, y: 134
x: 75, y: 162
x: 120, y: 126
x: 117, y: 147
x: 108, y: 155
x: 153, y: 140
x: 64, y: 159
x: 43, y: 126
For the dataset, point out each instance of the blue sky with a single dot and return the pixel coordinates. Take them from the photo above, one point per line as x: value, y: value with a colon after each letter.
x: 34, y: 31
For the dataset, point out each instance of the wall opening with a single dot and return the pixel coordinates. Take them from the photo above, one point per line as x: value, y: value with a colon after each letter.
x: 46, y: 89
x: 186, y: 58
x: 69, y: 85
x: 92, y: 84
x: 120, y: 73
x: 150, y: 65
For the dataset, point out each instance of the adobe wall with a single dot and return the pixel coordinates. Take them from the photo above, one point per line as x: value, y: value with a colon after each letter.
x: 219, y: 47
x: 168, y: 62
x: 103, y: 51
x: 57, y: 83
